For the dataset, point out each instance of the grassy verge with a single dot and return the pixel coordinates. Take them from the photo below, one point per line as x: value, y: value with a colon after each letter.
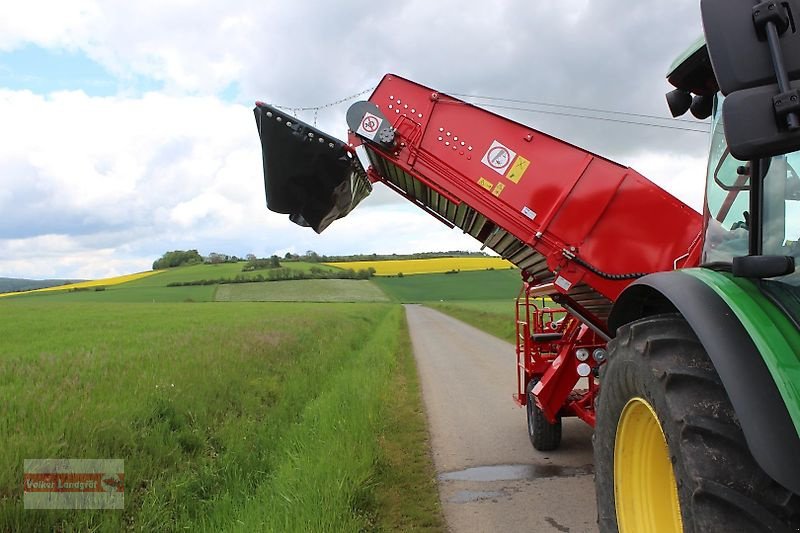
x: 494, y: 317
x: 406, y: 493
x: 225, y: 415
x: 335, y: 472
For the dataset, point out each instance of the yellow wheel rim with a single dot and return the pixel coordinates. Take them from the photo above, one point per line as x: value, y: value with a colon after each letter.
x: 645, y: 491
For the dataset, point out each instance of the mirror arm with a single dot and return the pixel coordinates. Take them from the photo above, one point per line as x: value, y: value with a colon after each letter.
x: 771, y: 20
x: 757, y: 173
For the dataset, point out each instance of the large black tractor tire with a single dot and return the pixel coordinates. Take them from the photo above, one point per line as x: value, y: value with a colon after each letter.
x: 720, y: 488
x: 544, y: 436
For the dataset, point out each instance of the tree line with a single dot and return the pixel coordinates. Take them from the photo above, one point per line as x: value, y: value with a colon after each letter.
x: 177, y: 258
x: 282, y: 274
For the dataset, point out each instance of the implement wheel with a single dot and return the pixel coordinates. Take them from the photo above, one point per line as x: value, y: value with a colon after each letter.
x: 670, y: 455
x: 544, y: 436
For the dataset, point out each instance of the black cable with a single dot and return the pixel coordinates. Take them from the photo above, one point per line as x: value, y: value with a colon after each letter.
x: 579, y: 108
x: 606, y: 275
x: 528, y: 110
x: 665, y: 126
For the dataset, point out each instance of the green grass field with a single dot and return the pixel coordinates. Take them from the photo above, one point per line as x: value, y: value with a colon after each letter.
x: 477, y: 285
x: 222, y: 270
x: 309, y: 290
x: 154, y: 289
x: 268, y: 417
x: 233, y: 416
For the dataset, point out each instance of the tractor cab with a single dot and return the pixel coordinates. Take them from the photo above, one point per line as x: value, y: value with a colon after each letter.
x: 730, y: 227
x: 728, y: 220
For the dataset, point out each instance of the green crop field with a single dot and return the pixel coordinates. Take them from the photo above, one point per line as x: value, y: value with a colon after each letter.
x: 309, y: 290
x: 246, y: 416
x: 496, y: 317
x: 154, y: 289
x: 477, y: 285
x: 125, y: 294
x: 484, y: 299
x: 221, y: 270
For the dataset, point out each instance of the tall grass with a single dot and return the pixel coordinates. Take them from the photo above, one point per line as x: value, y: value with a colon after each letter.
x: 227, y: 416
x: 327, y: 478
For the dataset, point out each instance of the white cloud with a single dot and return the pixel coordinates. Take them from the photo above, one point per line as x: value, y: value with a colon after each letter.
x: 47, y: 23
x: 73, y: 164
x: 680, y: 174
x: 62, y: 256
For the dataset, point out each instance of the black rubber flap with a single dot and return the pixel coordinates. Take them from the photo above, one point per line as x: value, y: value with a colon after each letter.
x: 308, y: 174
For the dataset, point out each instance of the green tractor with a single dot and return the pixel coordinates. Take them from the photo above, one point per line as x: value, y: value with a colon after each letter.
x: 699, y: 412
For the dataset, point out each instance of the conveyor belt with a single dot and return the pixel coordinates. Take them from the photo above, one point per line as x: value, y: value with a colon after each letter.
x: 487, y: 232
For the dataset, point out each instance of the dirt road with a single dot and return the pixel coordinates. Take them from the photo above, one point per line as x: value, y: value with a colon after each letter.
x: 490, y: 477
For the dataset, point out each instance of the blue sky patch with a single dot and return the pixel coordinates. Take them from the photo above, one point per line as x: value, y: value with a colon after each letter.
x: 43, y: 70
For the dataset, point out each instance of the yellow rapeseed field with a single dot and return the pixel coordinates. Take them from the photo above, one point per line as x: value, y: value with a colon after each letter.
x: 392, y: 267
x: 93, y: 283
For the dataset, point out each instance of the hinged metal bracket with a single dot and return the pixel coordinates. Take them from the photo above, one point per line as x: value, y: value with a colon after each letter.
x: 786, y: 102
x: 766, y: 12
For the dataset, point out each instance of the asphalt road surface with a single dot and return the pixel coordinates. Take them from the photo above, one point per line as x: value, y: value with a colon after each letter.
x: 490, y: 477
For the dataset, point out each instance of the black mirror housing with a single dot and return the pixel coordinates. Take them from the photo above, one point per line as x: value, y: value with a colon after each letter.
x: 755, y: 53
x: 739, y: 55
x: 751, y: 126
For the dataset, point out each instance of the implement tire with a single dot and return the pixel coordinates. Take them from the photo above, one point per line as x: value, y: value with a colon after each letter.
x: 544, y: 436
x: 682, y: 463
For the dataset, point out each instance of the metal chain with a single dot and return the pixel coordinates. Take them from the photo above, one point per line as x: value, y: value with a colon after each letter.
x: 295, y: 110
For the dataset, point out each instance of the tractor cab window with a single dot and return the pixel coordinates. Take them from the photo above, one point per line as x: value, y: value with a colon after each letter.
x: 728, y: 203
x: 727, y: 198
x: 782, y: 210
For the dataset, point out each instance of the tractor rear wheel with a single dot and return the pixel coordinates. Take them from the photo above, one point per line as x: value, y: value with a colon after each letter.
x: 544, y: 436
x: 670, y: 455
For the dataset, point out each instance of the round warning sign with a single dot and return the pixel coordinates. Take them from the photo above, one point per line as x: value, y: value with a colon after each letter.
x: 370, y: 123
x: 498, y: 157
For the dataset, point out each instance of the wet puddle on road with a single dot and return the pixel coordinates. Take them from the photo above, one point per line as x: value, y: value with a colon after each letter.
x: 515, y: 472
x: 466, y: 496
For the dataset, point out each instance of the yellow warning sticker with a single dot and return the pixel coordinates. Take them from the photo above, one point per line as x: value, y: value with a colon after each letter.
x: 498, y: 189
x: 518, y: 169
x: 486, y: 184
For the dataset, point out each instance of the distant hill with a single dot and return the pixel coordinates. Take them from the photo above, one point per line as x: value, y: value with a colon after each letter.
x: 19, y: 284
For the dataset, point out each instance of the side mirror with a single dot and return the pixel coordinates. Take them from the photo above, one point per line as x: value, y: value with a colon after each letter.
x: 739, y: 56
x: 751, y: 126
x: 751, y: 46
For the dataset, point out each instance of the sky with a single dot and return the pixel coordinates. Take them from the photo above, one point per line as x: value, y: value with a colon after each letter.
x: 127, y: 127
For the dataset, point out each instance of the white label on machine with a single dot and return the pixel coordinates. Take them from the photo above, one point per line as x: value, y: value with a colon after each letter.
x: 363, y: 157
x: 563, y: 283
x: 528, y: 212
x: 498, y: 157
x: 369, y: 126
